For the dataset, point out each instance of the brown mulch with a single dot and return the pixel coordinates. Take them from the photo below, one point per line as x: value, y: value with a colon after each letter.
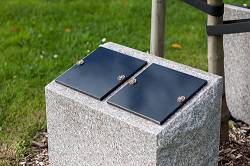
x: 234, y: 153
x: 237, y: 151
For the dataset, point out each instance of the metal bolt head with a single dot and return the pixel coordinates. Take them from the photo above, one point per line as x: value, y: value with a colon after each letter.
x: 121, y: 77
x: 181, y: 99
x: 80, y: 62
x: 132, y: 81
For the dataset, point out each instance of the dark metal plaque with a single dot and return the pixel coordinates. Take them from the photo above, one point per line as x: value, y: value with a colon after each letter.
x: 157, y: 93
x: 101, y: 72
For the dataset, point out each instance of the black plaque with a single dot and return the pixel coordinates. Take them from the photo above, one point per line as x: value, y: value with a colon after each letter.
x: 158, y: 93
x: 101, y: 72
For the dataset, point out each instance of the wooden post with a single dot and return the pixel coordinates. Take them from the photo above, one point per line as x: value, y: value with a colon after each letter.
x: 216, y: 66
x: 157, y: 28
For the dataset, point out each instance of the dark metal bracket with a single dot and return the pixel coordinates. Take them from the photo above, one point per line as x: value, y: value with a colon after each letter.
x: 202, y: 5
x: 229, y: 27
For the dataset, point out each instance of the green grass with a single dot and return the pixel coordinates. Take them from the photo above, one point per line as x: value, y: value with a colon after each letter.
x: 39, y: 39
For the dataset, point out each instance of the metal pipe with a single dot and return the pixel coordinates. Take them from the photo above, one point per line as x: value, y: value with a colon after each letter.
x: 157, y: 28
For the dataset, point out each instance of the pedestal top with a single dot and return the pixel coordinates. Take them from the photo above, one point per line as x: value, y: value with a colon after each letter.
x: 104, y: 108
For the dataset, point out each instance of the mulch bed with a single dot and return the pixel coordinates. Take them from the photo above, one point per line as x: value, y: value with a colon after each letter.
x: 237, y: 151
x: 234, y: 153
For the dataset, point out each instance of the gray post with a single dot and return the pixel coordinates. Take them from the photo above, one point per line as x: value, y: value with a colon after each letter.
x: 157, y: 28
x: 216, y: 66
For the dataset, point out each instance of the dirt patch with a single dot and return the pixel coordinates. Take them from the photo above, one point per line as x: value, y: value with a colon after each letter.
x: 7, y: 154
x: 38, y: 155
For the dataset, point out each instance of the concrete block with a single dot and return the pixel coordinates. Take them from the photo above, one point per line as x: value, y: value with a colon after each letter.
x: 237, y: 70
x: 85, y: 131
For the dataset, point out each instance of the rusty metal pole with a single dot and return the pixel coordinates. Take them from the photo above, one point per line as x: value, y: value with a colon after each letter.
x: 157, y: 28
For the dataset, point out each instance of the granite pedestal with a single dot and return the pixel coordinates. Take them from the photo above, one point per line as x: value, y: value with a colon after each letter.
x: 89, y: 132
x: 237, y: 70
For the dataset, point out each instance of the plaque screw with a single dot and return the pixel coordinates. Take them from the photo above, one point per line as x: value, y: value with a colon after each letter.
x: 132, y: 81
x: 121, y: 77
x: 181, y: 99
x: 80, y: 62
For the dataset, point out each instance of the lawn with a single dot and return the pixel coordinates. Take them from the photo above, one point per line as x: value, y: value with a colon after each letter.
x: 39, y: 39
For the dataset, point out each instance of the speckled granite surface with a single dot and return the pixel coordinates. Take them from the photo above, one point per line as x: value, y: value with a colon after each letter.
x: 237, y: 69
x: 85, y: 131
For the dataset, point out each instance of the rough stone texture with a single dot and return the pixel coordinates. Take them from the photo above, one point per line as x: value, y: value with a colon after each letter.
x: 237, y: 70
x: 85, y: 131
